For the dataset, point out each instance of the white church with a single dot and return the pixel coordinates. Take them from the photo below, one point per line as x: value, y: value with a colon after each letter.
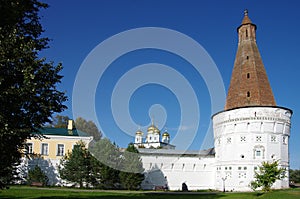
x: 251, y: 129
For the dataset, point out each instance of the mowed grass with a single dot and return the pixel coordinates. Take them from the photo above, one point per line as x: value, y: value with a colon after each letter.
x: 43, y: 193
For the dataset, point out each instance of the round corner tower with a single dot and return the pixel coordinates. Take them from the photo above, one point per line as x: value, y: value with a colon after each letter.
x: 251, y: 129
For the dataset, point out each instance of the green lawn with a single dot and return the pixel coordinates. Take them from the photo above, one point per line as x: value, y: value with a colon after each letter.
x: 32, y: 192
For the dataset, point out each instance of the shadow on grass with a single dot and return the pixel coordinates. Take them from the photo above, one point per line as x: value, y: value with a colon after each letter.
x: 259, y: 194
x: 152, y: 195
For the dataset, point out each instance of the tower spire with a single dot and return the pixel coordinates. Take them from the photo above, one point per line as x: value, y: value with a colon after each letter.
x: 249, y: 85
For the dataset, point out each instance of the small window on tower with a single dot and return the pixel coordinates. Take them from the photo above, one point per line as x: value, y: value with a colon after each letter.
x: 258, y: 153
x: 228, y: 140
x: 258, y: 138
x: 243, y: 139
x: 247, y: 57
x: 246, y: 33
x: 248, y: 75
x: 284, y: 140
x: 273, y: 138
x: 248, y: 94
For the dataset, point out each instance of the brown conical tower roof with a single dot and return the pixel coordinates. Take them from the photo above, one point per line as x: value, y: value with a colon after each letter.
x: 246, y: 19
x: 249, y: 85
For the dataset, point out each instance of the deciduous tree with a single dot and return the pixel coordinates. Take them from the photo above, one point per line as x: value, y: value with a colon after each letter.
x: 28, y: 83
x: 88, y: 127
x: 60, y: 121
x: 268, y: 173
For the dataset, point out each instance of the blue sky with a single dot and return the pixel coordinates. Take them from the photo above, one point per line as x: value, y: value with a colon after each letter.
x: 78, y: 27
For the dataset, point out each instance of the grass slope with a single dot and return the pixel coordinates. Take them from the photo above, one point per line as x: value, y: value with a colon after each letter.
x: 48, y: 193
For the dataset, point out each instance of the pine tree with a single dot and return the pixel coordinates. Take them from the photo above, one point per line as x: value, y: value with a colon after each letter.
x: 79, y: 166
x: 110, y: 157
x: 132, y: 175
x: 37, y: 175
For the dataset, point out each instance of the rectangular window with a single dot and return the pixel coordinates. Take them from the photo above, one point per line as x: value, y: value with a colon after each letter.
x: 258, y: 153
x: 44, y: 150
x: 28, y: 148
x: 60, y: 150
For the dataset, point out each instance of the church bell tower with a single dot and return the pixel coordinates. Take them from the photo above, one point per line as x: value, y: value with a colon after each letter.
x: 252, y: 128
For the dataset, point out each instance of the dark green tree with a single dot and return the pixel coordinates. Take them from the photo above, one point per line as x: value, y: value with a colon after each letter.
x: 295, y: 176
x: 80, y: 167
x: 110, y: 157
x: 28, y: 83
x: 267, y: 175
x: 60, y: 121
x: 37, y: 175
x: 88, y: 127
x: 132, y: 175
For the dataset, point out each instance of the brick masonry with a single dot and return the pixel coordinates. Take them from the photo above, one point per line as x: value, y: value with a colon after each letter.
x: 249, y: 85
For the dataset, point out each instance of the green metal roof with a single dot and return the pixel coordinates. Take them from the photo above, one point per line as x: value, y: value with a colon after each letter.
x: 62, y: 132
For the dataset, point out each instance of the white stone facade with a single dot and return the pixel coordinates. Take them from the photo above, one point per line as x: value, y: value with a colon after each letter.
x: 174, y: 167
x: 244, y: 137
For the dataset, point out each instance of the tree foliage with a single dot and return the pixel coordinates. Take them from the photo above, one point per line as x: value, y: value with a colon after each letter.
x: 37, y: 175
x: 60, y: 121
x: 267, y: 175
x: 28, y: 83
x: 295, y: 176
x: 103, y: 166
x: 110, y: 157
x: 132, y: 175
x: 88, y: 127
x: 80, y: 167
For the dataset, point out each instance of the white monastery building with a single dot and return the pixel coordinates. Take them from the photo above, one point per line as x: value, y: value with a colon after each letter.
x: 250, y: 130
